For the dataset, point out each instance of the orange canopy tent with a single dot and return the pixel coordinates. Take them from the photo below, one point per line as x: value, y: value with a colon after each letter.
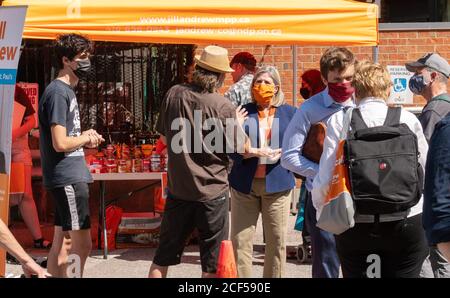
x: 290, y: 22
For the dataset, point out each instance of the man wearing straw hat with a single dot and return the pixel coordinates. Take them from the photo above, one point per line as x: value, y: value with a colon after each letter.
x: 197, y: 174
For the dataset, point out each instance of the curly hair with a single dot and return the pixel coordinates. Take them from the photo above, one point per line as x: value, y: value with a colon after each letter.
x: 70, y: 45
x: 335, y: 58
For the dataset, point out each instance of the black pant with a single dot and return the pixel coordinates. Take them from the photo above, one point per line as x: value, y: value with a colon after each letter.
x: 400, y: 245
x: 324, y: 256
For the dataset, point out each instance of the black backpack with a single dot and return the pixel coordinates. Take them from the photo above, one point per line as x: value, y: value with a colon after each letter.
x: 384, y: 170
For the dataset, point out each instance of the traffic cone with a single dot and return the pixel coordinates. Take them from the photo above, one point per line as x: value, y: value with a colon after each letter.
x: 226, y: 264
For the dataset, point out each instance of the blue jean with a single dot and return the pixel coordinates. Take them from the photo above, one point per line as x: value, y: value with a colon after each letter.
x: 323, y: 245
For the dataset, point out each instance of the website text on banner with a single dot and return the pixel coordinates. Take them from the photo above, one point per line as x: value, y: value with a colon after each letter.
x: 12, y: 20
x: 301, y: 22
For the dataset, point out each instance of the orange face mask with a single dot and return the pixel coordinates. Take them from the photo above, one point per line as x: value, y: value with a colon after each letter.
x: 263, y: 93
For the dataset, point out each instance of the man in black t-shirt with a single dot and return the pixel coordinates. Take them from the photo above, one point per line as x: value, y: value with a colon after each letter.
x: 64, y: 168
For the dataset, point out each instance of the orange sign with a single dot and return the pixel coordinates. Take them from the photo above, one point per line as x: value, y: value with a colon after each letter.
x: 32, y: 91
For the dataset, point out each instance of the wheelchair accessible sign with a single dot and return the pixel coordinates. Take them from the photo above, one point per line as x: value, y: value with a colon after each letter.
x: 400, y: 93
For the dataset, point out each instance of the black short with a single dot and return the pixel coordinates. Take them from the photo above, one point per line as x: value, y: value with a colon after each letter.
x: 179, y: 220
x: 72, y: 207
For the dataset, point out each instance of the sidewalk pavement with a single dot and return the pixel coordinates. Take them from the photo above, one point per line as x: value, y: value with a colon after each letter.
x: 135, y: 262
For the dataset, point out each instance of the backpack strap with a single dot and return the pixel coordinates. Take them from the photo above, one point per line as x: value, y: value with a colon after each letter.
x: 357, y: 121
x: 348, y: 111
x: 393, y: 116
x: 443, y: 97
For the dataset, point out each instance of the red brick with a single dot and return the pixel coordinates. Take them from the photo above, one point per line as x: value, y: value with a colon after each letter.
x: 425, y: 49
x: 242, y: 47
x: 366, y: 50
x: 444, y: 53
x: 268, y: 59
x: 406, y: 49
x: 424, y: 34
x: 442, y: 48
x: 420, y: 41
x: 439, y: 40
x: 276, y: 51
x: 388, y: 35
x: 309, y: 65
x: 280, y: 58
x: 443, y: 34
x: 407, y: 34
x: 388, y: 49
x: 413, y: 56
x: 383, y: 56
x: 311, y: 50
x: 396, y: 41
x: 287, y: 52
x: 361, y: 57
x: 257, y: 52
x: 305, y: 58
x: 287, y: 66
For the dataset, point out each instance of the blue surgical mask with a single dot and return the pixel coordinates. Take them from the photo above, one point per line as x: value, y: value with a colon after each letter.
x: 417, y: 84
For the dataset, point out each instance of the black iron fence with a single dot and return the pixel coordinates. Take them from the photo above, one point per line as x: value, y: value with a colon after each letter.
x: 121, y: 96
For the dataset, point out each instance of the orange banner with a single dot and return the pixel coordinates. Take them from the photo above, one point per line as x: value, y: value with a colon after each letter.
x: 300, y: 22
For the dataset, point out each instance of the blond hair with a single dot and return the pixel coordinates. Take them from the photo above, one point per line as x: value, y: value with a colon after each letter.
x: 371, y: 80
x: 278, y: 98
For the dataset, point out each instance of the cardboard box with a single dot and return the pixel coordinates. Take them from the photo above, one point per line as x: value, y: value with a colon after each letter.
x: 138, y: 230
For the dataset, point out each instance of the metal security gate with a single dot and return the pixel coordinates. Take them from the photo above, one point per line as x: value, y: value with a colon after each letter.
x: 121, y: 96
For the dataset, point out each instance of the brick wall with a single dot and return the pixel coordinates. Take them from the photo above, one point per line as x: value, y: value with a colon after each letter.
x: 395, y: 48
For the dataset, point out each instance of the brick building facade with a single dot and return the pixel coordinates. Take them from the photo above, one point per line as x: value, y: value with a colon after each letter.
x: 396, y: 48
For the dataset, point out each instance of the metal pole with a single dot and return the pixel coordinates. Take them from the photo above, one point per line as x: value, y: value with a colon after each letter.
x: 294, y: 199
x: 294, y: 75
x: 375, y: 51
x: 105, y: 236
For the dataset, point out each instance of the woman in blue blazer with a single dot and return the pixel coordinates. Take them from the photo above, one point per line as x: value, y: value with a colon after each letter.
x: 258, y: 182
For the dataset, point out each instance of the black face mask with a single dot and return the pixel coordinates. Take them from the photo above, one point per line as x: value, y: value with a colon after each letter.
x: 305, y: 92
x: 83, y: 68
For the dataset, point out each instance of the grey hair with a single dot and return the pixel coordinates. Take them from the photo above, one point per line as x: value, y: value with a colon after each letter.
x: 441, y: 78
x: 278, y: 99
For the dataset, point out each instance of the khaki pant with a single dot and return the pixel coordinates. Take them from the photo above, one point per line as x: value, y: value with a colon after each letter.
x: 245, y: 209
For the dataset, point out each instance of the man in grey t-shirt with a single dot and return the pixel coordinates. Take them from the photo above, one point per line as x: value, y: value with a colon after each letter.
x: 64, y: 168
x: 431, y: 73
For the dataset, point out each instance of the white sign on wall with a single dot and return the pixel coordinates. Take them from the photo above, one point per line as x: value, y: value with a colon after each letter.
x: 400, y: 93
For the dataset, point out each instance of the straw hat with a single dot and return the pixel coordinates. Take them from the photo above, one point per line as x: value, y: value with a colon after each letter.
x: 215, y: 59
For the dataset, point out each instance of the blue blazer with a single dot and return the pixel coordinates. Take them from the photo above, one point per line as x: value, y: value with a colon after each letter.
x: 243, y: 172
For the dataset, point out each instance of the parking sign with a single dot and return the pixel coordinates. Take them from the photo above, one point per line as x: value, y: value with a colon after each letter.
x: 400, y: 93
